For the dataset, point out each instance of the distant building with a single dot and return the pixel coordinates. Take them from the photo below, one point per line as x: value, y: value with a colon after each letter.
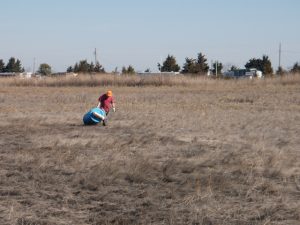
x: 8, y: 74
x: 243, y: 73
x: 26, y: 75
x: 157, y: 74
x: 60, y: 74
x: 72, y: 74
x: 21, y: 75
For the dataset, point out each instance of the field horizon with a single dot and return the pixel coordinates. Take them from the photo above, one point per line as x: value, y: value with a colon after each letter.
x: 176, y: 151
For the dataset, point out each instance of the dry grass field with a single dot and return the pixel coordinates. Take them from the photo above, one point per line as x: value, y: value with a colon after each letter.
x: 193, y: 151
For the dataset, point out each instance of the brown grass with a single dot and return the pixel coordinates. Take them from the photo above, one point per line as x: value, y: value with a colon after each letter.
x: 184, y: 151
x: 101, y: 80
x: 142, y: 81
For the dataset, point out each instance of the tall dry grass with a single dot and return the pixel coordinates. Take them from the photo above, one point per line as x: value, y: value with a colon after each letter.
x: 142, y: 81
x: 99, y: 80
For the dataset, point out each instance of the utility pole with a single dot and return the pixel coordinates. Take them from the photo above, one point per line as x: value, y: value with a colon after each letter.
x: 216, y: 68
x: 279, y: 63
x: 33, y: 70
x: 95, y: 53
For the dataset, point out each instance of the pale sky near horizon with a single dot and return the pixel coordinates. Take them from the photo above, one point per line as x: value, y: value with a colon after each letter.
x: 142, y: 33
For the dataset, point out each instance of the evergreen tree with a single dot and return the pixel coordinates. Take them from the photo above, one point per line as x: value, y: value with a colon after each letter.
x: 70, y: 69
x: 83, y: 67
x: 91, y: 68
x: 124, y: 70
x: 129, y: 70
x: 14, y: 66
x: 76, y: 68
x: 2, y: 66
x: 267, y: 65
x: 296, y: 68
x: 202, y: 66
x: 98, y: 68
x: 193, y: 66
x: 189, y: 66
x: 169, y: 65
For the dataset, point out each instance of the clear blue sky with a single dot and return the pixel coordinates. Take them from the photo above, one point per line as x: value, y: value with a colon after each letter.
x: 141, y: 33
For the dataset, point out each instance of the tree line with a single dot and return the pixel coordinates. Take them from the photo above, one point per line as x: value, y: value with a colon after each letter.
x: 13, y: 66
x: 84, y: 67
x: 199, y: 66
x: 194, y: 66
